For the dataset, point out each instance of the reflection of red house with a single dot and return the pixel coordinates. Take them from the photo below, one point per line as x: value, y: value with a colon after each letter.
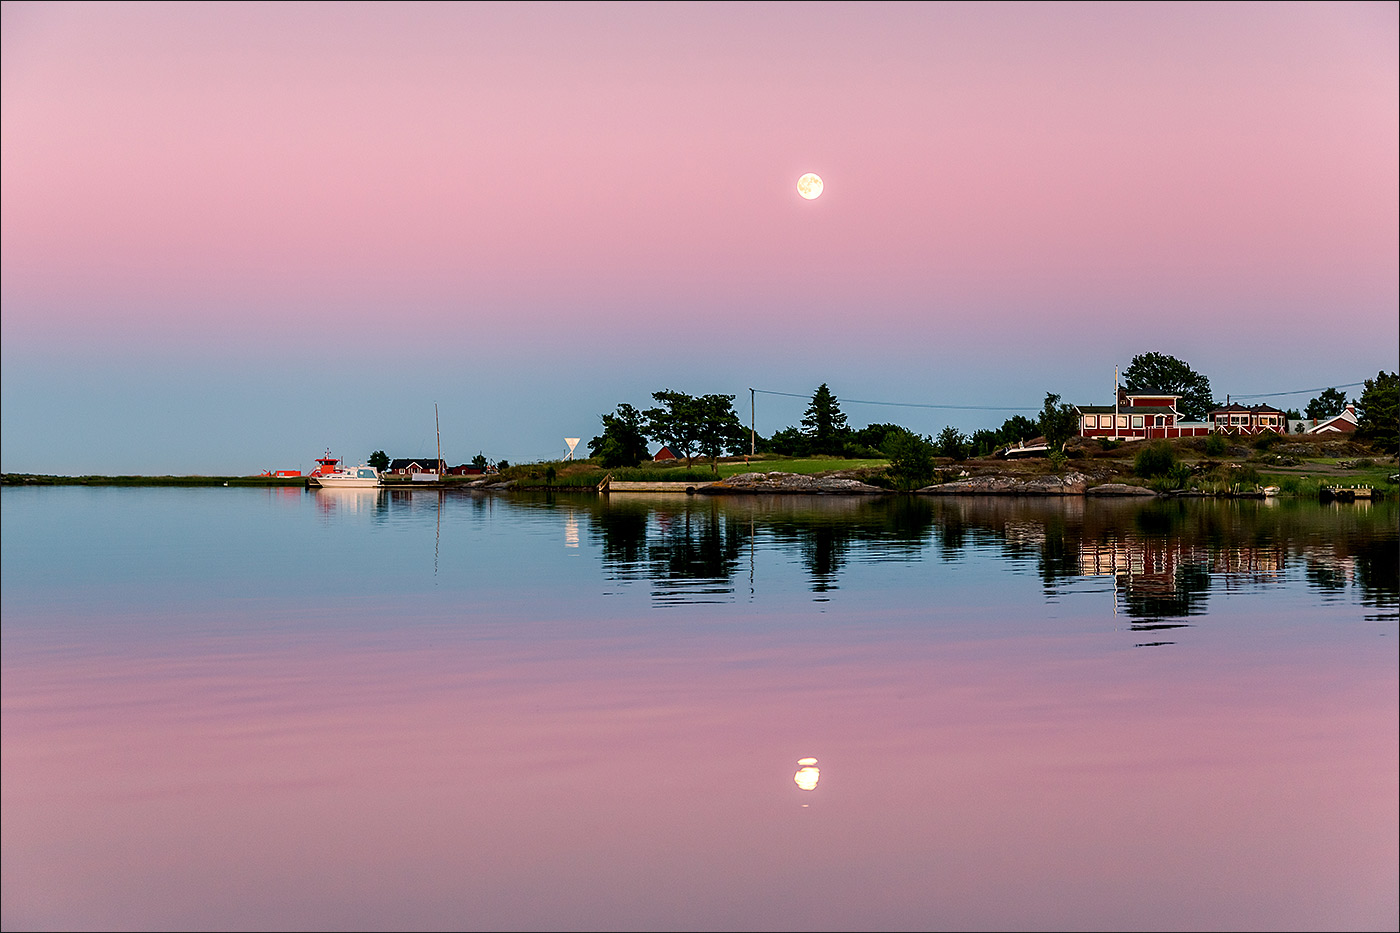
x: 1138, y: 415
x: 664, y: 454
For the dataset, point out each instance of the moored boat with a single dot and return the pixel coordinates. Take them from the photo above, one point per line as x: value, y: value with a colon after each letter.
x: 331, y: 476
x: 360, y: 476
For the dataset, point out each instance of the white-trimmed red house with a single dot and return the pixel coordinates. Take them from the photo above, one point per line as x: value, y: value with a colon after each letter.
x: 1138, y: 416
x: 1343, y: 423
x: 402, y: 466
x: 1248, y: 419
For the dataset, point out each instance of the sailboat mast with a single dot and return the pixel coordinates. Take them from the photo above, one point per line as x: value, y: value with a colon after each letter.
x: 438, y: 425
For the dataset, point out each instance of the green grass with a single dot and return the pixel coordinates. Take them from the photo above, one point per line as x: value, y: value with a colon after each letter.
x: 583, y: 473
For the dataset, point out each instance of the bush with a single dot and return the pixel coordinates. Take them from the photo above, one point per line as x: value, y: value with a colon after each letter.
x: 911, y: 459
x: 1266, y: 440
x: 1057, y: 459
x: 1215, y: 445
x: 1156, y: 459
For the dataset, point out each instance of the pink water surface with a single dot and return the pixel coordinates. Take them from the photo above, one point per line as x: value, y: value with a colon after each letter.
x: 615, y: 776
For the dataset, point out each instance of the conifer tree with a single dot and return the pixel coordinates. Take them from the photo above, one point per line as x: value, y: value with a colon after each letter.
x: 825, y: 423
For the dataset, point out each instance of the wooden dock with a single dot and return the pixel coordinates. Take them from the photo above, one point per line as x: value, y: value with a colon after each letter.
x: 609, y: 485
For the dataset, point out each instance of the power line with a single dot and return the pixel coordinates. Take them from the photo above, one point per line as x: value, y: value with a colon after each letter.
x: 861, y: 401
x: 1349, y: 385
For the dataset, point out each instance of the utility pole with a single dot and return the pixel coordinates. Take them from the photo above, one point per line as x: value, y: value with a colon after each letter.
x: 752, y: 451
x: 1115, y: 404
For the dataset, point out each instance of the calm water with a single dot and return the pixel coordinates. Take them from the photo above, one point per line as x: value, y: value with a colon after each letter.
x: 237, y: 708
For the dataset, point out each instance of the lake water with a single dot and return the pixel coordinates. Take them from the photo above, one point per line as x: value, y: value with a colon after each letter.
x: 293, y: 709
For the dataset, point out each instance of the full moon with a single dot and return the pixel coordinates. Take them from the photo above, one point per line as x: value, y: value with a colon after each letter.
x: 810, y: 186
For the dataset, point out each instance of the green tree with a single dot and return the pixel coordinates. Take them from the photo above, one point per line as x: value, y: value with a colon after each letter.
x: 1378, y: 412
x: 872, y: 437
x: 623, y: 442
x: 984, y: 441
x: 379, y: 460
x: 718, y: 429
x: 1157, y: 372
x: 1058, y: 422
x: 790, y: 442
x: 479, y: 461
x: 1329, y: 403
x: 825, y: 423
x: 674, y: 423
x: 911, y: 459
x: 952, y: 443
x: 1018, y: 428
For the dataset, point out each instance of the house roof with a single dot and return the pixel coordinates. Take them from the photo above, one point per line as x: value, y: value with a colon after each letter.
x: 1133, y: 410
x: 400, y: 463
x: 1344, y: 421
x: 1237, y: 408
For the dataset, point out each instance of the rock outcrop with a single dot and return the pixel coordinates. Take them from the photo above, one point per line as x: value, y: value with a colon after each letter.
x: 1070, y: 484
x: 789, y: 483
x: 1118, y: 489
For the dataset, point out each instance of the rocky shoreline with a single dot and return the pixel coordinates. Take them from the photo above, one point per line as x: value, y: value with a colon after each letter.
x: 996, y: 484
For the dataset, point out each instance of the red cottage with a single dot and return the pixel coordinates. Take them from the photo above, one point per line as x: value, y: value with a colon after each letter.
x: 1240, y: 419
x: 1137, y: 416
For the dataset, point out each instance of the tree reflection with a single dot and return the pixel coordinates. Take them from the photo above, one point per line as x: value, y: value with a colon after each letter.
x: 1165, y: 556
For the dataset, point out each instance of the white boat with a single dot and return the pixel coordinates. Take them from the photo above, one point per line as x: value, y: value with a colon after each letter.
x: 348, y: 478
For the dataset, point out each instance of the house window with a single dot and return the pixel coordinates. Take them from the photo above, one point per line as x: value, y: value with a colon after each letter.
x: 1122, y: 421
x: 1137, y: 421
x: 1105, y: 421
x: 1091, y: 422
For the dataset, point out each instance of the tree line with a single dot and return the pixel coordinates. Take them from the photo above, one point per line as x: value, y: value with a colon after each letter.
x: 706, y: 426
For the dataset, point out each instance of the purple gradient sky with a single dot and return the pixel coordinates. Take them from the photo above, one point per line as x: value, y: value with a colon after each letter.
x: 235, y: 235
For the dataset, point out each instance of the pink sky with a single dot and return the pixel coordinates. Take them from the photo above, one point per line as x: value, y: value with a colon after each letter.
x: 579, y: 204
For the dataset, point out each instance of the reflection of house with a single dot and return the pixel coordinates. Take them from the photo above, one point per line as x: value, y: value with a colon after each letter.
x: 1138, y: 415
x: 1344, y: 423
x: 1241, y: 419
x: 664, y: 454
x: 1156, y: 562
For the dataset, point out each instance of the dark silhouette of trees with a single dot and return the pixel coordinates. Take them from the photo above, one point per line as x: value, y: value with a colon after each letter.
x: 1329, y: 403
x: 1378, y: 412
x: 825, y: 423
x: 1157, y: 372
x: 1058, y: 422
x: 623, y: 442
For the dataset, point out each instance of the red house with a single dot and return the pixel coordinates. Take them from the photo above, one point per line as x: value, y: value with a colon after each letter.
x: 664, y: 454
x: 1255, y: 419
x: 1138, y: 415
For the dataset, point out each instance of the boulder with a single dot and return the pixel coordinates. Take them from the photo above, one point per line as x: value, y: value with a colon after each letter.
x: 1118, y: 489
